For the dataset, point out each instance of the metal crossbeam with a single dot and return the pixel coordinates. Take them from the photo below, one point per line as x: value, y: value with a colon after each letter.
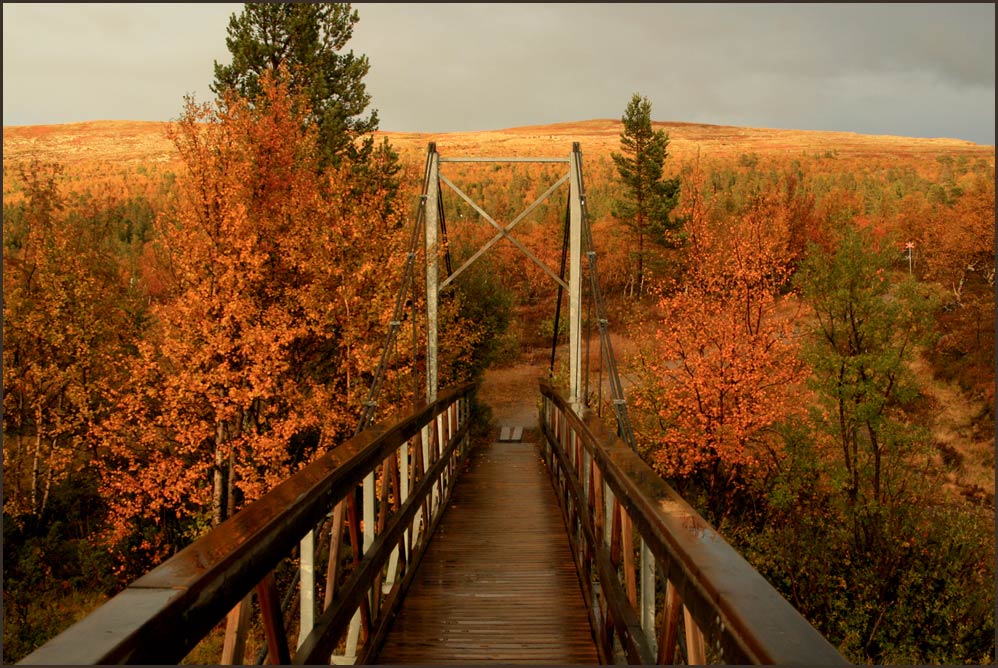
x: 504, y: 159
x: 502, y: 231
x: 575, y: 239
x: 481, y: 251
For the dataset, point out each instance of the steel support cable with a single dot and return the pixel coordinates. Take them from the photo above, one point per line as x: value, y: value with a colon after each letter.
x: 616, y: 389
x: 589, y: 336
x: 443, y: 229
x: 442, y: 226
x: 415, y: 349
x: 589, y: 333
x: 561, y: 275
x: 408, y: 278
x: 396, y: 322
x: 599, y: 398
x: 394, y: 392
x: 394, y: 325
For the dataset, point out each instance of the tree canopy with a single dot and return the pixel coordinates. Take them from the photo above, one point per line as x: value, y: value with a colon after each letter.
x: 648, y: 198
x: 309, y: 39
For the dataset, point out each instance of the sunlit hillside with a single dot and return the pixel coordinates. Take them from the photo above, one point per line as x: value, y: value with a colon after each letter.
x: 139, y: 142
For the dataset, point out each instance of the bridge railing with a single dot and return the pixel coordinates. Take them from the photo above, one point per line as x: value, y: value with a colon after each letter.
x: 403, y: 473
x: 657, y: 578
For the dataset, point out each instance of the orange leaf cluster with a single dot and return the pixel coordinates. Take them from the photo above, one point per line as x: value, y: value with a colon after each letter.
x: 724, y: 358
x: 273, y: 274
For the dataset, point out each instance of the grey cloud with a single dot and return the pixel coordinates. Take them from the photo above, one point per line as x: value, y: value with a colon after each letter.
x: 865, y: 68
x: 65, y: 63
x: 766, y: 65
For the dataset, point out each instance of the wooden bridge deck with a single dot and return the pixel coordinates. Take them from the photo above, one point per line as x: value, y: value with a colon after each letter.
x: 497, y: 583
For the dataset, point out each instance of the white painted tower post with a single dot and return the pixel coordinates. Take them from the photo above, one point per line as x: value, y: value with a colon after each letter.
x: 432, y: 271
x: 575, y: 283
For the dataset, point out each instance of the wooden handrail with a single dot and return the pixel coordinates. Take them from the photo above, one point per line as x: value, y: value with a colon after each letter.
x: 162, y: 615
x: 604, y: 487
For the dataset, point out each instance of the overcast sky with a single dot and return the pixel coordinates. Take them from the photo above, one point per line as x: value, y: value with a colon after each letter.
x: 918, y: 70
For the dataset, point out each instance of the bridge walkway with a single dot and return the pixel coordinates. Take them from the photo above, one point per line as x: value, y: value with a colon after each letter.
x: 497, y: 583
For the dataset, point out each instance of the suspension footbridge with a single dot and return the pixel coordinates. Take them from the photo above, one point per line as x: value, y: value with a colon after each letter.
x: 554, y: 543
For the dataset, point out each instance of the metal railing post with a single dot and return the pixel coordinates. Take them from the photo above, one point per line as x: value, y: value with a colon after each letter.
x: 306, y: 604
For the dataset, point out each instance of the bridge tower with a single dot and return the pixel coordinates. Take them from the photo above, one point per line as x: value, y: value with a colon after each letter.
x: 434, y: 253
x: 577, y: 247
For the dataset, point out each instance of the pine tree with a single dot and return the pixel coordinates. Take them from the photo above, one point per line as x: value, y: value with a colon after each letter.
x: 648, y: 199
x: 308, y: 38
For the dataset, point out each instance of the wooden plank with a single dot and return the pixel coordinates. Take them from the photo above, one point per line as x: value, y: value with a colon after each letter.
x: 695, y: 650
x: 669, y: 633
x: 498, y: 582
x: 402, y: 587
x: 335, y: 540
x: 627, y: 543
x: 273, y: 623
x: 236, y: 628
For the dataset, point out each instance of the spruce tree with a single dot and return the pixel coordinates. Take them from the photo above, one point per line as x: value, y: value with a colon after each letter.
x: 648, y: 199
x: 308, y: 38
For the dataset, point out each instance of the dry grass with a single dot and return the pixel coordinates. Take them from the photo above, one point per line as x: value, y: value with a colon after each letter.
x: 138, y: 142
x: 965, y: 451
x: 602, y: 136
x: 131, y: 142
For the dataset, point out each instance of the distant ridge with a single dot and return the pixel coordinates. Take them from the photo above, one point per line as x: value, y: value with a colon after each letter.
x: 146, y: 141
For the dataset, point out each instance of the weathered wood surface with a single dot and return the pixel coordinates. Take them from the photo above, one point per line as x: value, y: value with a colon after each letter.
x: 497, y: 583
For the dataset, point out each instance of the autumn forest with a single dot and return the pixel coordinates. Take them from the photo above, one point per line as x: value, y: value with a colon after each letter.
x: 194, y: 310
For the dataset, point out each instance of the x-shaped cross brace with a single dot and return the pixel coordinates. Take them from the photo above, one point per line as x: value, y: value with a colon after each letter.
x: 504, y: 231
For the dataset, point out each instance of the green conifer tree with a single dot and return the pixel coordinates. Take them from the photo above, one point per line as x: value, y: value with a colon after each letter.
x: 309, y: 38
x: 648, y: 199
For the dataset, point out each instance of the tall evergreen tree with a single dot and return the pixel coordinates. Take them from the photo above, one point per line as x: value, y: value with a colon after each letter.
x: 308, y: 38
x: 649, y: 199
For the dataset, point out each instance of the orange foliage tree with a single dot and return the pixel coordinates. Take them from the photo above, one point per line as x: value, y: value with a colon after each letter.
x: 717, y: 377
x: 69, y: 319
x: 959, y: 244
x: 273, y: 273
